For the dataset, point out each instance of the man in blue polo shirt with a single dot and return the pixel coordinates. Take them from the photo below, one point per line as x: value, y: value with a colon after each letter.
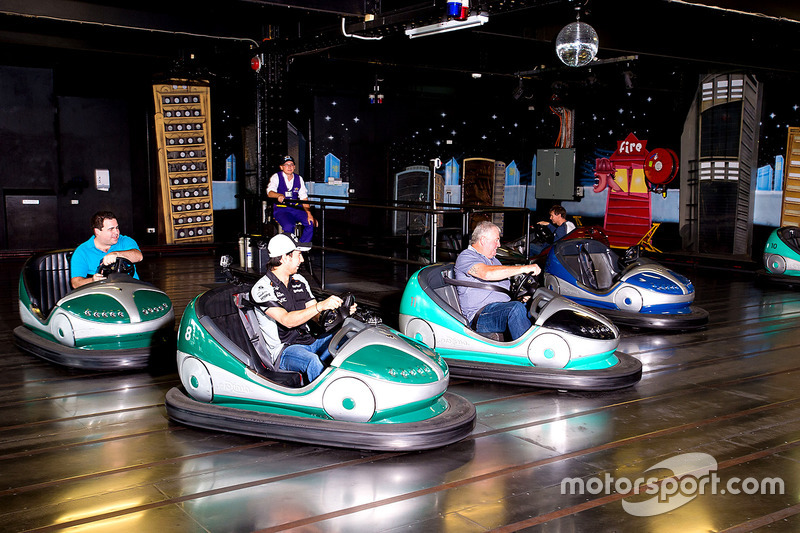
x: 488, y: 310
x: 103, y: 248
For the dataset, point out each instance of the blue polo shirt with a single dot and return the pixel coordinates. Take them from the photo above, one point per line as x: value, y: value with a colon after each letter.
x: 472, y: 299
x: 87, y: 257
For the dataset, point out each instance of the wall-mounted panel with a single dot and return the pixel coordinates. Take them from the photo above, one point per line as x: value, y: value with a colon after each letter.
x: 31, y: 219
x: 555, y: 174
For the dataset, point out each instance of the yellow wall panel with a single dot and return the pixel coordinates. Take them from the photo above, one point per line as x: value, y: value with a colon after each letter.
x: 183, y: 134
x: 790, y: 210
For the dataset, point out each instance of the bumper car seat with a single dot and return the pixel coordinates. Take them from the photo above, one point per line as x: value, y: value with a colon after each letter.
x: 791, y: 236
x: 591, y: 265
x: 48, y: 280
x: 234, y: 316
x: 444, y: 293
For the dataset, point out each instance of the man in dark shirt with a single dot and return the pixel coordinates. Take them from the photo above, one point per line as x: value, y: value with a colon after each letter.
x: 559, y: 226
x: 284, y: 307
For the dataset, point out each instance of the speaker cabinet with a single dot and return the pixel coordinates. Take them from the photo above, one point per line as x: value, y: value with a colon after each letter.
x: 183, y: 133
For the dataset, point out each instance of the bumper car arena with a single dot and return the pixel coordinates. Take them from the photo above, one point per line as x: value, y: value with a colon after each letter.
x: 241, y: 180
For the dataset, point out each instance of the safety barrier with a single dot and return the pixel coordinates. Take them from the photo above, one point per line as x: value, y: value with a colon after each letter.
x: 325, y: 203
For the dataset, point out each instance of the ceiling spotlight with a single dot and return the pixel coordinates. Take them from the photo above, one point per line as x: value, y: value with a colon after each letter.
x: 446, y: 26
x: 376, y: 96
x: 577, y: 43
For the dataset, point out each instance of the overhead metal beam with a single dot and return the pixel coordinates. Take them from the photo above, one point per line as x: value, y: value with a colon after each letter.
x: 339, y: 7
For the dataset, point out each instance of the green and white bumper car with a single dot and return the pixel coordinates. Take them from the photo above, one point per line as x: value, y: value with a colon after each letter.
x: 382, y: 391
x: 782, y: 256
x: 118, y: 323
x: 568, y: 346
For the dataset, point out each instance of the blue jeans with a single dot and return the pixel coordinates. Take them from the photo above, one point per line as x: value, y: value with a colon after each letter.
x: 496, y: 317
x: 287, y: 217
x: 307, y: 358
x: 536, y: 248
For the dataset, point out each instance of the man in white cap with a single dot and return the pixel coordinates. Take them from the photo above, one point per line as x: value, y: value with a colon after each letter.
x: 285, y: 305
x: 290, y: 189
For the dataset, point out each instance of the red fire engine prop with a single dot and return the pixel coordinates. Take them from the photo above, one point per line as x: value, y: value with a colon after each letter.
x: 630, y: 174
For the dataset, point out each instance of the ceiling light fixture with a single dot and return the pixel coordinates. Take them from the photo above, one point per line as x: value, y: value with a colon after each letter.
x: 376, y: 96
x: 577, y: 43
x: 449, y: 25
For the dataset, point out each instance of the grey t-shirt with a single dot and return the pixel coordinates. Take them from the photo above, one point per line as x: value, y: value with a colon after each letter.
x: 473, y: 299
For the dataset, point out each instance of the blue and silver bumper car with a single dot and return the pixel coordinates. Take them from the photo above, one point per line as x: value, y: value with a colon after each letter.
x: 118, y: 323
x: 382, y: 391
x: 632, y: 290
x: 568, y: 346
x: 782, y: 256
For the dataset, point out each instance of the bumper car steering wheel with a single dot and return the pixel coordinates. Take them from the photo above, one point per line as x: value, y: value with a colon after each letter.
x: 331, y: 319
x: 542, y: 234
x: 631, y: 254
x: 524, y: 285
x: 120, y: 266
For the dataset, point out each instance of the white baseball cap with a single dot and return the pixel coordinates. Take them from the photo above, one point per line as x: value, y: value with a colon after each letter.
x: 286, y: 243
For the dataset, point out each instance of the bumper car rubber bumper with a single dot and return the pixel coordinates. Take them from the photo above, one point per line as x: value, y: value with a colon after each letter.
x: 624, y: 374
x: 697, y: 318
x: 784, y: 279
x: 446, y: 428
x: 123, y: 359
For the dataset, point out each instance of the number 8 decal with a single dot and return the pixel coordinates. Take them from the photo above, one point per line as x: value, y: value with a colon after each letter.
x: 189, y: 329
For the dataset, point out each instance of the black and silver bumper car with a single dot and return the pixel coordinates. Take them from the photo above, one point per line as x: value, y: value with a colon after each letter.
x: 567, y: 347
x: 382, y: 391
x: 630, y: 290
x: 118, y: 323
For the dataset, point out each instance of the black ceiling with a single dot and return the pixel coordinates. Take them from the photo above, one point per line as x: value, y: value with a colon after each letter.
x: 517, y: 42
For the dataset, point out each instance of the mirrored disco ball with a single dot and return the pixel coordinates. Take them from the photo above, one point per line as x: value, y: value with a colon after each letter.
x: 576, y: 44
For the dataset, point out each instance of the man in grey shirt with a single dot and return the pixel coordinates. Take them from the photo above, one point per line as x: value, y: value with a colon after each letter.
x: 488, y: 310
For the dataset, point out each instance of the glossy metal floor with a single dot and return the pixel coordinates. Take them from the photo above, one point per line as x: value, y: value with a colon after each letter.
x: 84, y: 451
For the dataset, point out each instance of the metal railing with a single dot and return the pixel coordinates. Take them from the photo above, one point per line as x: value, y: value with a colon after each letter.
x: 325, y: 203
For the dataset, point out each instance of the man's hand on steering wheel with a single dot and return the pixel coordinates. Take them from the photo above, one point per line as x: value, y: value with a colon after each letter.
x: 109, y: 258
x: 334, y: 309
x: 532, y: 268
x: 113, y: 264
x: 526, y: 284
x: 329, y: 304
x: 541, y: 233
